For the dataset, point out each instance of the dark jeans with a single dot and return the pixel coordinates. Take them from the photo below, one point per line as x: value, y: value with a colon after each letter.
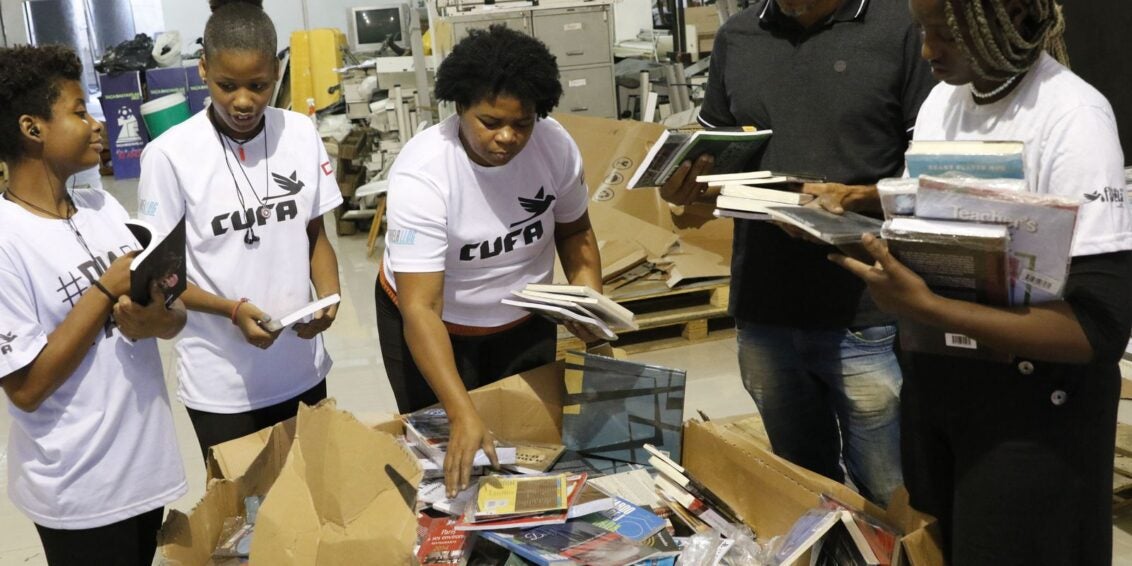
x: 1015, y: 460
x: 215, y: 428
x: 479, y: 359
x: 130, y: 542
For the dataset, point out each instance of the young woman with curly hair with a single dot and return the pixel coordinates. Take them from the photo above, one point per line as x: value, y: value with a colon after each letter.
x: 478, y: 204
x: 92, y: 454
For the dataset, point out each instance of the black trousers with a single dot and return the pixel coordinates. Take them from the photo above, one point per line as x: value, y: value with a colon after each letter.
x: 130, y: 542
x: 1015, y: 460
x: 215, y: 428
x: 479, y: 359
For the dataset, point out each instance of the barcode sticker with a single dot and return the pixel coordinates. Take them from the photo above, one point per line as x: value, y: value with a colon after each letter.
x: 576, y: 26
x: 1040, y: 281
x: 954, y: 340
x: 576, y: 83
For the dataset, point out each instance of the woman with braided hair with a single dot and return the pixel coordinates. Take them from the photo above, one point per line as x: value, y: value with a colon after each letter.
x: 1015, y: 459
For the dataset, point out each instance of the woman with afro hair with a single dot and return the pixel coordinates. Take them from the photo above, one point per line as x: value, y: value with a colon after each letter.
x: 478, y: 205
x: 92, y: 454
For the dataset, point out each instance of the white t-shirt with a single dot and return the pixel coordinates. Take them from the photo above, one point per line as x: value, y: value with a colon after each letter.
x: 489, y: 229
x: 102, y: 447
x: 184, y: 172
x: 1071, y: 145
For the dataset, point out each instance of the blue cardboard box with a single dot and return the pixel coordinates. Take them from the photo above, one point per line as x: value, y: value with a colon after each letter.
x: 121, y: 103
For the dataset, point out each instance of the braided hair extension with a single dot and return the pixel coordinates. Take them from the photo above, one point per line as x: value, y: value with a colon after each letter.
x: 1000, y: 49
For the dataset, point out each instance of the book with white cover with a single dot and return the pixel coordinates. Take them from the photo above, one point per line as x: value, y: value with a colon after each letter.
x: 615, y: 315
x: 765, y: 194
x: 301, y: 313
x: 562, y: 315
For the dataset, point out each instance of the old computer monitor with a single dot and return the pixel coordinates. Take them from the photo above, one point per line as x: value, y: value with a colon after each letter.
x: 371, y: 26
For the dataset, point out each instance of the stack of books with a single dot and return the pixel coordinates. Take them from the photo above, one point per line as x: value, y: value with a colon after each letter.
x: 691, y: 502
x: 982, y: 240
x: 575, y: 303
x: 427, y: 431
x: 747, y: 195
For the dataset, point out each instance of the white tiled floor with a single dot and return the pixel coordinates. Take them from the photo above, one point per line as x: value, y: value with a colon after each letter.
x: 359, y: 384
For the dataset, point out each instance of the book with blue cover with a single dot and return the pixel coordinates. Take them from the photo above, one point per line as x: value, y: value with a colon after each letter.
x: 984, y: 159
x: 575, y: 542
x: 628, y: 520
x: 612, y: 408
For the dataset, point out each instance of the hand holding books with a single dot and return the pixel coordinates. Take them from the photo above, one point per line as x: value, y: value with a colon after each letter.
x: 895, y: 288
x: 153, y: 320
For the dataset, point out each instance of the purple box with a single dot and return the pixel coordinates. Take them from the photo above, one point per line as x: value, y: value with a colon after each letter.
x: 121, y: 103
x: 168, y: 80
x: 198, y: 91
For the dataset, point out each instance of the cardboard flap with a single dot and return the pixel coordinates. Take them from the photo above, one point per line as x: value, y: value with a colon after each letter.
x: 345, y: 488
x: 189, y: 539
x: 693, y: 262
x: 524, y: 407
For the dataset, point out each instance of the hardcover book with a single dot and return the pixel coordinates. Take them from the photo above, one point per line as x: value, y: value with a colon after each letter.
x: 612, y: 408
x: 732, y: 148
x: 986, y: 159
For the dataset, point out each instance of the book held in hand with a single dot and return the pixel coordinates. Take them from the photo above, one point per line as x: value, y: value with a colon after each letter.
x: 833, y: 229
x: 1041, y: 227
x: 301, y: 313
x: 592, y: 303
x: 161, y: 260
x: 958, y: 260
x: 732, y: 148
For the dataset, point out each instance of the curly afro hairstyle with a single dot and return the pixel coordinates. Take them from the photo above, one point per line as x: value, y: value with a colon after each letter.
x: 30, y: 80
x: 497, y: 61
x: 239, y: 25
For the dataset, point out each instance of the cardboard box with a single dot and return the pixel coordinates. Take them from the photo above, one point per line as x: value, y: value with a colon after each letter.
x: 335, y: 490
x: 167, y: 80
x: 198, y: 90
x: 323, y: 479
x: 611, y: 151
x: 121, y: 104
x: 770, y: 494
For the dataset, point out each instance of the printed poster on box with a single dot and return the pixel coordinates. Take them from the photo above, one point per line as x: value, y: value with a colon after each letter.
x: 121, y: 103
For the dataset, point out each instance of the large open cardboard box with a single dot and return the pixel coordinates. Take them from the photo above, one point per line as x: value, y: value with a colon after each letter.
x: 349, y: 502
x: 770, y: 493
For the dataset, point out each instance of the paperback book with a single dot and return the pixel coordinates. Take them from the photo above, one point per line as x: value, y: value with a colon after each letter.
x: 959, y: 260
x: 1041, y: 229
x: 614, y: 315
x: 440, y: 542
x: 509, y: 502
x: 428, y: 431
x: 161, y: 260
x: 300, y: 314
x: 576, y: 542
x: 833, y: 229
x: 732, y: 148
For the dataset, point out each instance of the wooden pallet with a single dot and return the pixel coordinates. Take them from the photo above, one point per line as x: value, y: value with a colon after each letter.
x: 1122, y: 469
x: 667, y: 317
